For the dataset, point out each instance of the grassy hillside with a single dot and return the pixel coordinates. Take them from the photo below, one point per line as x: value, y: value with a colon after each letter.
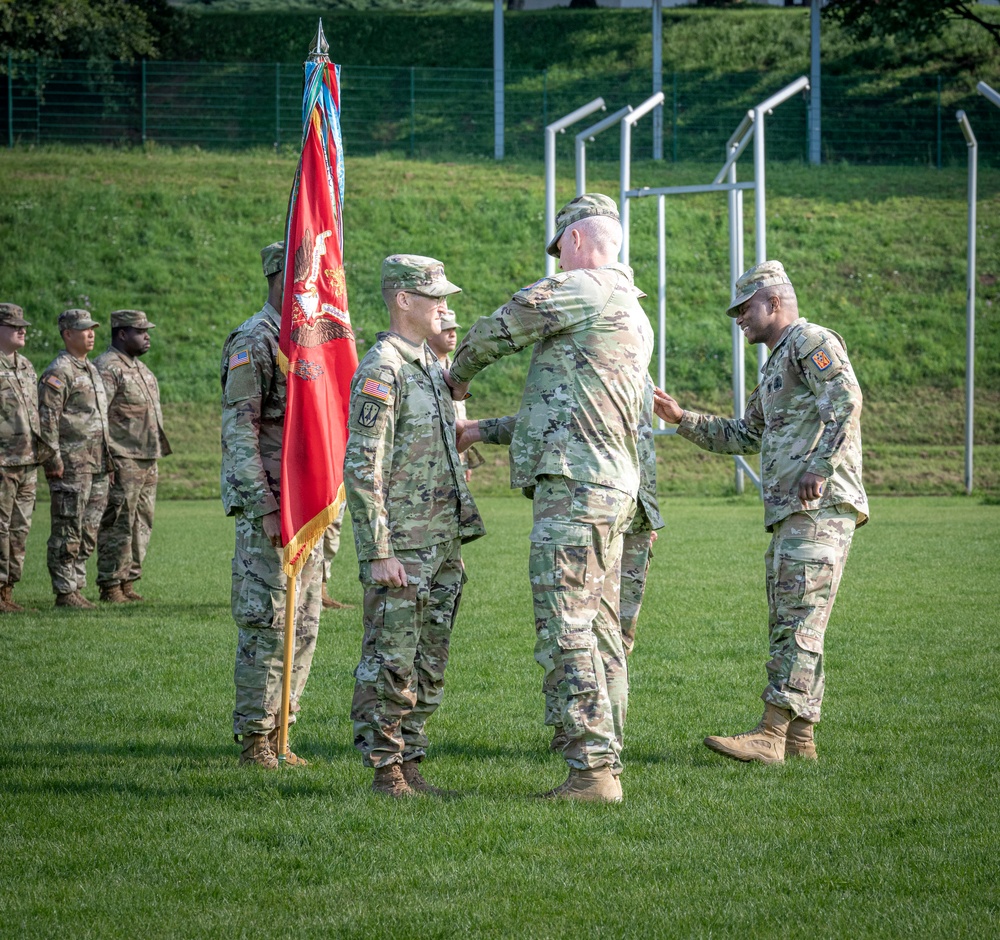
x: 877, y: 254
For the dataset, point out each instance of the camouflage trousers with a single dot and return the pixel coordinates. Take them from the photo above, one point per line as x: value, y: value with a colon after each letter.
x: 78, y: 501
x: 331, y: 541
x: 123, y: 537
x: 17, y: 503
x: 259, y: 610
x: 574, y: 569
x: 400, y: 679
x: 637, y: 551
x: 804, y: 564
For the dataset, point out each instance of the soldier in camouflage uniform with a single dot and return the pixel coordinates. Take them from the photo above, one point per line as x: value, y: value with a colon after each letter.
x: 137, y: 441
x: 574, y: 449
x: 804, y: 418
x: 253, y: 414
x: 411, y: 511
x: 636, y: 543
x: 21, y: 450
x: 73, y: 423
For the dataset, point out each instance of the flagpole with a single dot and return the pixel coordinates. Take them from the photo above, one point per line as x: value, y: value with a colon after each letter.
x: 286, y: 671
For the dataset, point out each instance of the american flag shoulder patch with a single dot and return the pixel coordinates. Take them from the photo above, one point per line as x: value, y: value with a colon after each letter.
x: 376, y: 389
x: 54, y: 381
x: 821, y: 359
x: 241, y: 358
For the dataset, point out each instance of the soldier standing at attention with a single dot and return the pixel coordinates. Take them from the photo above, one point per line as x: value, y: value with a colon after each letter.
x: 411, y: 511
x: 253, y: 415
x: 137, y: 441
x: 804, y: 418
x: 574, y: 450
x: 21, y: 451
x: 73, y: 422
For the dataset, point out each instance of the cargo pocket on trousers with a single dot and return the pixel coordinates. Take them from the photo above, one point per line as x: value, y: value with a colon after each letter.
x: 567, y: 549
x: 577, y: 677
x: 808, y: 650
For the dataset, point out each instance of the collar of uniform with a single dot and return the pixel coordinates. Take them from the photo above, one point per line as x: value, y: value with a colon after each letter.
x: 9, y: 361
x: 130, y: 361
x: 81, y: 364
x: 788, y: 332
x: 272, y: 314
x: 411, y: 352
x: 621, y: 269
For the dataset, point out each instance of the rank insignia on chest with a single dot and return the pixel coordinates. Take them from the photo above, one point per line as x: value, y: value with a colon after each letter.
x: 821, y: 359
x: 376, y: 389
x: 369, y: 414
x: 241, y: 358
x: 54, y: 381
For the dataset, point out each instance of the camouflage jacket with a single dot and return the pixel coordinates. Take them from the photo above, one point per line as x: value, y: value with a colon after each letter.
x: 20, y: 444
x: 803, y: 417
x: 134, y: 416
x: 73, y: 416
x: 647, y: 517
x: 405, y: 484
x: 582, y: 400
x: 253, y: 416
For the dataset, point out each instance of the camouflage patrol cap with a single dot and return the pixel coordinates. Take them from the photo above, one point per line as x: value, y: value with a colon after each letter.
x: 133, y: 318
x: 76, y: 320
x: 273, y: 258
x: 12, y: 315
x: 581, y: 208
x: 448, y: 321
x: 765, y: 274
x: 418, y: 275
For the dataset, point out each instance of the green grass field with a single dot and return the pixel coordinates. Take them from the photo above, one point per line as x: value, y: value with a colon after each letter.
x: 123, y: 812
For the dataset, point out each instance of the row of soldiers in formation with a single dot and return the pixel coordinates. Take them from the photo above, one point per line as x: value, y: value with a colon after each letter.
x: 581, y: 450
x: 96, y: 430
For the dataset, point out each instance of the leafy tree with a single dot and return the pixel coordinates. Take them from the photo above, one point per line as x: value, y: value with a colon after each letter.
x: 914, y: 19
x: 97, y: 30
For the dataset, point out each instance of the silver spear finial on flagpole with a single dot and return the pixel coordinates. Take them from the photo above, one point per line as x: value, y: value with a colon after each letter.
x: 321, y: 48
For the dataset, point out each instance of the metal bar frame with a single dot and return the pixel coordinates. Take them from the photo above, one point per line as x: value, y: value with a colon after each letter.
x: 589, y: 134
x: 559, y: 127
x: 626, y: 165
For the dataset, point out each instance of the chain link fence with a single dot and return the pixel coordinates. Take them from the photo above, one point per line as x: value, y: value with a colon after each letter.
x: 436, y: 113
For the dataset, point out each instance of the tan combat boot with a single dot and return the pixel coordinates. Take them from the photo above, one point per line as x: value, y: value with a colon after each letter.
x: 765, y: 743
x: 390, y: 781
x: 331, y: 603
x: 7, y: 604
x: 113, y: 594
x: 589, y: 786
x: 129, y: 592
x: 74, y: 599
x: 291, y: 758
x: 257, y: 750
x: 799, y: 740
x: 416, y: 782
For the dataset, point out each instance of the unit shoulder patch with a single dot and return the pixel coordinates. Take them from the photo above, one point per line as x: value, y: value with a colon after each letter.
x: 821, y: 359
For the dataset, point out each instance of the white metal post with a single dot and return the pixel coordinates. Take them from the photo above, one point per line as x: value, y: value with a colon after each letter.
x: 661, y: 224
x: 970, y: 300
x: 815, y: 148
x: 589, y: 134
x: 658, y: 78
x: 626, y: 166
x: 498, y: 81
x: 558, y: 127
x: 989, y: 93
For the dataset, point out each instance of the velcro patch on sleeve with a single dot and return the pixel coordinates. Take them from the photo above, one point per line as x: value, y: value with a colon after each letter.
x: 376, y: 389
x: 821, y: 359
x: 54, y: 381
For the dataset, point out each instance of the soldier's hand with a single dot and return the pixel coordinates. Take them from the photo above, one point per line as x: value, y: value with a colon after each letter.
x: 458, y: 392
x: 389, y: 572
x: 56, y: 474
x: 272, y: 528
x: 466, y: 434
x: 666, y: 408
x: 810, y: 487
